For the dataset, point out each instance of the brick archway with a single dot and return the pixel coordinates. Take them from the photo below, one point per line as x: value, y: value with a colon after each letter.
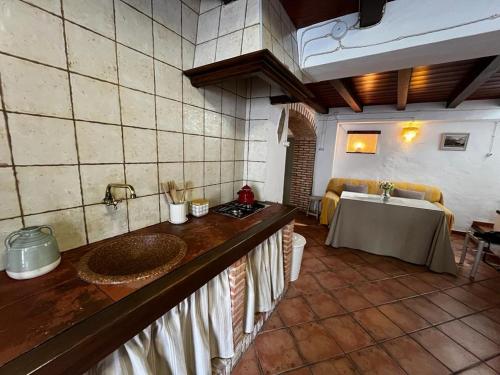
x: 302, y: 128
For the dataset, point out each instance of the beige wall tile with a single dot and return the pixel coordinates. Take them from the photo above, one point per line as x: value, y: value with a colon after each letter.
x: 228, y: 126
x: 192, y: 119
x: 171, y: 171
x: 135, y: 69
x: 208, y: 25
x: 168, y: 13
x: 143, y: 212
x: 241, y: 108
x: 206, y: 5
x: 193, y: 4
x: 189, y: 24
x: 212, y: 172
x: 197, y: 193
x: 168, y: 46
x: 68, y: 225
x: 168, y: 81
x: 193, y: 148
x: 212, y: 149
x: 95, y: 179
x: 9, y: 204
x: 191, y: 94
x: 168, y: 114
x: 227, y: 192
x: 104, y: 221
x: 5, y: 158
x: 97, y: 15
x: 138, y: 108
x: 34, y: 88
x: 31, y: 33
x: 212, y: 193
x: 188, y: 49
x: 42, y: 140
x: 94, y: 100
x: 6, y: 228
x: 48, y: 188
x: 229, y: 45
x: 193, y: 174
x: 170, y: 146
x: 164, y: 209
x: 133, y: 28
x: 253, y: 13
x: 98, y: 143
x: 240, y: 150
x: 142, y: 5
x: 228, y: 103
x: 213, y: 124
x: 238, y: 170
x: 53, y: 6
x: 213, y: 98
x: 227, y: 171
x: 143, y: 177
x: 232, y: 17
x: 140, y: 145
x: 240, y: 129
x: 227, y: 152
x: 90, y: 53
x: 205, y: 53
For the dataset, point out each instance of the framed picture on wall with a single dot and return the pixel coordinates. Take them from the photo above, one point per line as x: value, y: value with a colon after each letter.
x: 454, y: 141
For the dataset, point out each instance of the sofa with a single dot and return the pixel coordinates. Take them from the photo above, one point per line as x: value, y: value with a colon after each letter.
x: 336, y: 186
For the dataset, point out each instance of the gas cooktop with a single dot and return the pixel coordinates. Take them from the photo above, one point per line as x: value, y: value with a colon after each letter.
x: 238, y: 210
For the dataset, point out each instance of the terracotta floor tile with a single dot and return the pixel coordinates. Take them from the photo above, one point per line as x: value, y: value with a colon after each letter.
x: 470, y: 339
x: 494, y: 363
x: 427, y: 310
x: 329, y: 280
x: 485, y: 293
x: 371, y: 273
x: 277, y: 352
x: 485, y: 325
x: 274, y: 322
x: 435, y: 280
x: 248, y: 364
x: 493, y: 314
x: 334, y: 262
x: 351, y: 299
x: 445, y: 349
x: 347, y: 332
x: 377, y: 324
x: 413, y: 358
x: 416, y: 284
x: 482, y: 369
x: 294, y: 311
x: 306, y: 284
x: 339, y: 366
x: 375, y: 361
x: 350, y: 275
x: 404, y: 317
x: 468, y: 298
x: 300, y: 371
x: 324, y: 305
x: 456, y: 280
x: 318, y: 251
x: 449, y: 304
x: 388, y: 267
x: 493, y: 284
x: 312, y: 265
x: 375, y: 293
x: 353, y: 259
x: 396, y: 289
x: 314, y: 343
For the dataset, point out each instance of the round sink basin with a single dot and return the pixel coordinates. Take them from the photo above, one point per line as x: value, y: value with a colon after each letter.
x: 132, y: 258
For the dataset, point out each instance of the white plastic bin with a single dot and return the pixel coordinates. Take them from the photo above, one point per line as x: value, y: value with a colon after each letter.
x: 298, y: 244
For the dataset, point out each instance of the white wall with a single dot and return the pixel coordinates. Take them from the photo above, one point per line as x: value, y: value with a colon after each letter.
x: 325, y: 147
x: 470, y: 180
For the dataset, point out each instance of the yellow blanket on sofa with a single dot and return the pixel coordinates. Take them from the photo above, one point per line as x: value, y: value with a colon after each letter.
x: 336, y: 186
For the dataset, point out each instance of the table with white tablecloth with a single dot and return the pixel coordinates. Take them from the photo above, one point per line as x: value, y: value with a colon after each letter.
x: 409, y: 229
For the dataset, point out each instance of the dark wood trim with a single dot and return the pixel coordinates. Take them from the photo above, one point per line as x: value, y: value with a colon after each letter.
x: 347, y: 93
x: 364, y: 132
x: 483, y: 71
x: 282, y: 99
x: 261, y: 64
x: 371, y: 12
x: 83, y: 345
x: 404, y: 78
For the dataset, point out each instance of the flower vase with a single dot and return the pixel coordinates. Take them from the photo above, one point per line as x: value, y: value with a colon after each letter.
x: 386, y: 195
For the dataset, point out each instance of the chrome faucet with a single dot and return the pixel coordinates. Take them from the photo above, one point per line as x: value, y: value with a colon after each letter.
x: 109, y: 199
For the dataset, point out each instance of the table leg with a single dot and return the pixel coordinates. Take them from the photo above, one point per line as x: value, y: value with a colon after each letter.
x: 464, y: 250
x: 477, y: 260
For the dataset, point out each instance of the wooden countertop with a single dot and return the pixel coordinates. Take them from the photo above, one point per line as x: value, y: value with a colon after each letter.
x: 60, y: 324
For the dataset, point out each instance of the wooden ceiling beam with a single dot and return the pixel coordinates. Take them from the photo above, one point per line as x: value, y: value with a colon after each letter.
x: 404, y: 77
x: 346, y: 92
x: 282, y: 99
x: 483, y: 71
x: 371, y: 12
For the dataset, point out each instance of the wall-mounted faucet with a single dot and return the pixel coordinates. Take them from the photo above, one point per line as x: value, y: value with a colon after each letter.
x: 109, y: 199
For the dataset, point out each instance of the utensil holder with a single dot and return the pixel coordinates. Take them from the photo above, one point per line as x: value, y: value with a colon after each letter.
x: 178, y: 213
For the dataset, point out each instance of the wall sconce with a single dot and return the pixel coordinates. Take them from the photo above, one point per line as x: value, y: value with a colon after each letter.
x: 409, y: 133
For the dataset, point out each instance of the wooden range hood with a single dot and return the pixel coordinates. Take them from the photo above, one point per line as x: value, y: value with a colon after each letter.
x: 262, y: 64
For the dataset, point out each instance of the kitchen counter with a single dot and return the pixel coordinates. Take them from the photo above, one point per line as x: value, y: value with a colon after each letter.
x: 60, y: 324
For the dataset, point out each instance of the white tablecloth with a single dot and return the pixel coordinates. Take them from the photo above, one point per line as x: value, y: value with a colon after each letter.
x: 409, y: 229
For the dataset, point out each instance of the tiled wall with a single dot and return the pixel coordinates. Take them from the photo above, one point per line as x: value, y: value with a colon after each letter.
x: 92, y: 93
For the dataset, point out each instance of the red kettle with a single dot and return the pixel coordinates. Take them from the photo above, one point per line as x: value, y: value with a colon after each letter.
x: 245, y: 195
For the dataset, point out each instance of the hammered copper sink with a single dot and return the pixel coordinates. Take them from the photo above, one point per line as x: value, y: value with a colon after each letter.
x: 132, y: 258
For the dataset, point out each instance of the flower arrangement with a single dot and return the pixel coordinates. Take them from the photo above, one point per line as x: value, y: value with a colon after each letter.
x: 386, y: 186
